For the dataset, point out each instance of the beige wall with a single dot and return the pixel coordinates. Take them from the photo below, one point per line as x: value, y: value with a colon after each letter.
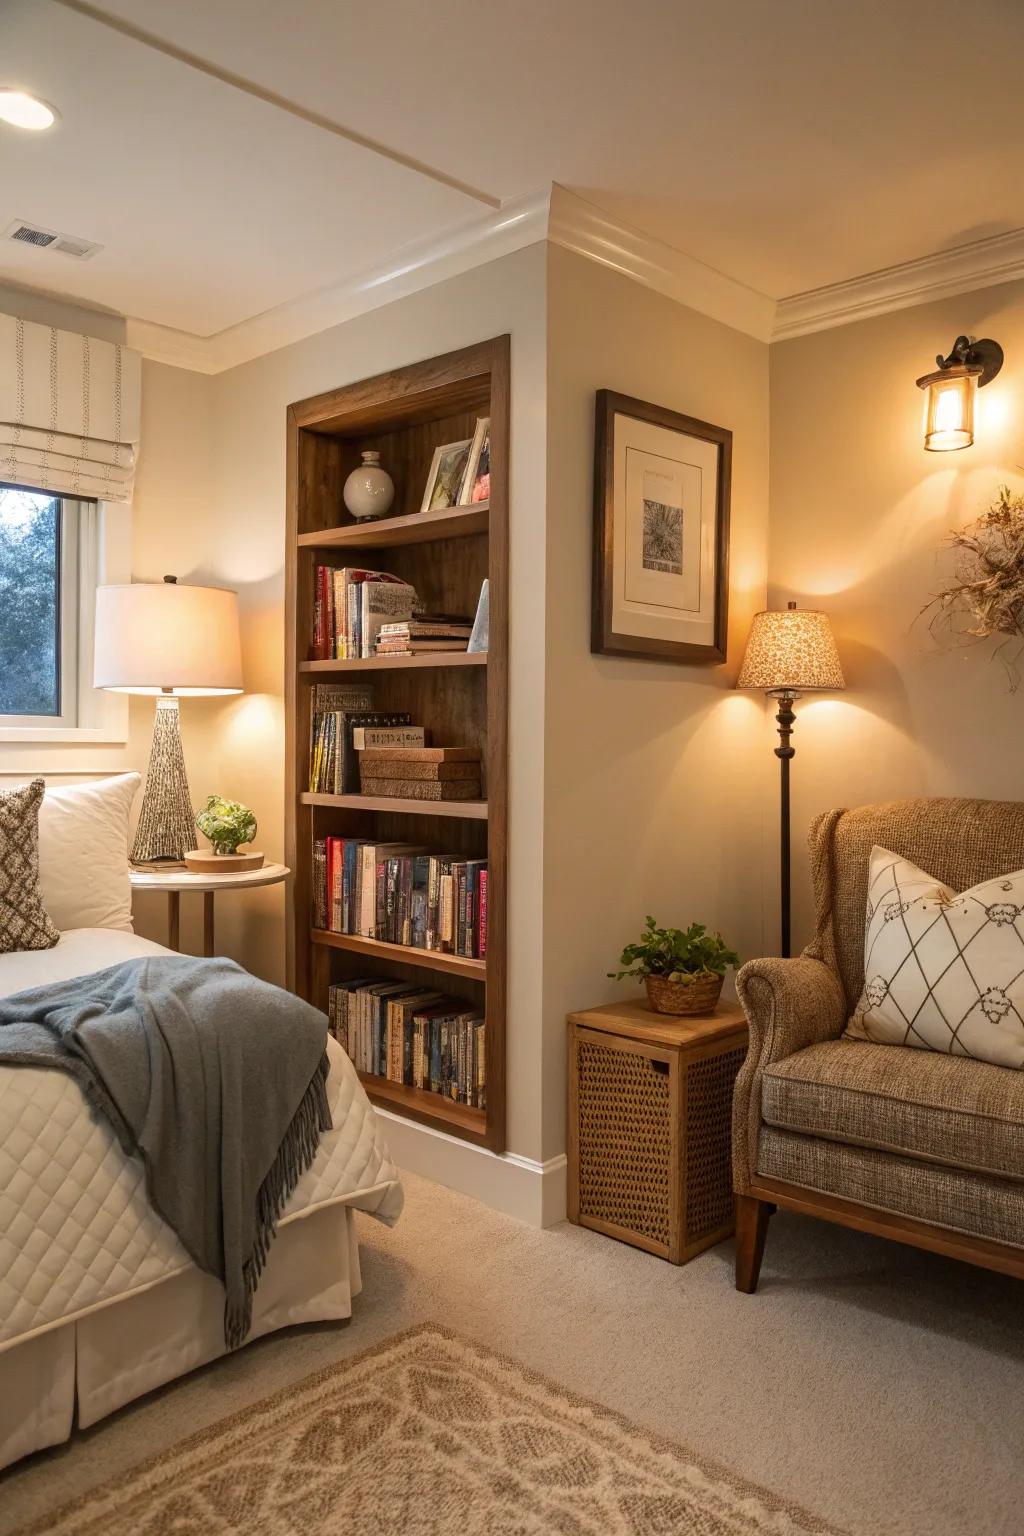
x: 175, y: 525
x: 654, y: 786
x: 859, y: 515
x: 636, y: 786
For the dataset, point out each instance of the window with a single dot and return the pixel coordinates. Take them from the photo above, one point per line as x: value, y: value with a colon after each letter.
x: 54, y: 552
x: 40, y: 537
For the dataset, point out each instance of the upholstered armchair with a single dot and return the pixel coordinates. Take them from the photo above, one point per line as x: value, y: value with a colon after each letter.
x: 911, y: 1144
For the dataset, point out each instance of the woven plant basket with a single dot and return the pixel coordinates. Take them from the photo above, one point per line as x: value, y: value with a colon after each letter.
x: 698, y: 996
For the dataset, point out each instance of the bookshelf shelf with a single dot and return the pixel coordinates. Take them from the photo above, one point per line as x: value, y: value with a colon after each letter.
x: 426, y: 959
x: 398, y: 663
x: 389, y: 532
x: 418, y: 1104
x: 462, y: 699
x: 461, y: 810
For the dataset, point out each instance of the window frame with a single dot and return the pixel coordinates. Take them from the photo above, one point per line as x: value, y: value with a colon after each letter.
x: 99, y: 554
x: 69, y: 539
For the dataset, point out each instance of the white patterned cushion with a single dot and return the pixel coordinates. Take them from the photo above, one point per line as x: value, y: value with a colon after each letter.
x: 943, y: 972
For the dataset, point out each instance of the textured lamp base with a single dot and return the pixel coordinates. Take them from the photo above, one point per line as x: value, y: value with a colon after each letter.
x: 167, y: 823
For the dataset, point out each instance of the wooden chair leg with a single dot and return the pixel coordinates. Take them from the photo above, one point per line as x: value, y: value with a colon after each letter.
x: 751, y: 1230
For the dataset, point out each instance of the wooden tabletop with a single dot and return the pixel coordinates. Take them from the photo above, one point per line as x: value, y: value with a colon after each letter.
x: 186, y: 880
x: 635, y: 1021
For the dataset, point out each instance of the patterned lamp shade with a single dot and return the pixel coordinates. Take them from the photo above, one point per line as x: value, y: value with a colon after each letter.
x: 793, y: 650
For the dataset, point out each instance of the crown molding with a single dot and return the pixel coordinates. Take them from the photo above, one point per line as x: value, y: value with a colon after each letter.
x: 555, y: 214
x: 586, y: 229
x: 982, y: 264
x: 484, y: 237
x: 570, y: 221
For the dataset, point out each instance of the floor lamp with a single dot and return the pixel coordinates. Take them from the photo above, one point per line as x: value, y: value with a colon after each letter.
x: 790, y: 651
x: 169, y: 641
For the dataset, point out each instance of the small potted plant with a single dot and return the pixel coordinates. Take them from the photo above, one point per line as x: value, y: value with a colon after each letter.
x: 228, y: 825
x: 682, y: 970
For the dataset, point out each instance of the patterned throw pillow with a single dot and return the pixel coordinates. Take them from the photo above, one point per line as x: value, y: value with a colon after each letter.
x: 943, y: 972
x: 24, y: 923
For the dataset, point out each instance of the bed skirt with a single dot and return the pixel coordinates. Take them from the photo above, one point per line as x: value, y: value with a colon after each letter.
x: 113, y: 1355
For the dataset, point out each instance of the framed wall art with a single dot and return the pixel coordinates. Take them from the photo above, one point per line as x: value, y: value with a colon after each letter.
x: 447, y: 472
x: 661, y: 533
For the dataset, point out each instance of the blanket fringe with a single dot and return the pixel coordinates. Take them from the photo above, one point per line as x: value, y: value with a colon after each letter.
x: 294, y: 1156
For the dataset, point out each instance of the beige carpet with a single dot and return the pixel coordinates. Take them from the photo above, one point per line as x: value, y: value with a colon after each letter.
x: 427, y: 1434
x: 878, y: 1387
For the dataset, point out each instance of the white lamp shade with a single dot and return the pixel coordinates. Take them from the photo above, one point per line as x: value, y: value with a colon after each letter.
x: 162, y: 637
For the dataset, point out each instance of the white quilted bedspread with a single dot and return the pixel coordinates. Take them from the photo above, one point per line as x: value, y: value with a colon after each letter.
x: 76, y: 1228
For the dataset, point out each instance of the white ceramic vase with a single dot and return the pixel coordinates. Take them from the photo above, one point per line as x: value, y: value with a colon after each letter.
x: 369, y: 490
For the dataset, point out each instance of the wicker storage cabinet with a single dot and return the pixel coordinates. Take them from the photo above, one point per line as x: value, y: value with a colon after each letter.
x: 650, y: 1113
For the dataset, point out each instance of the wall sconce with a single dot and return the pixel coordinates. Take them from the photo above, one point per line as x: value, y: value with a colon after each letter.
x: 949, y: 397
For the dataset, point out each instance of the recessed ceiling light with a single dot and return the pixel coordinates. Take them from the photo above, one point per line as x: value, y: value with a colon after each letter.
x: 24, y: 111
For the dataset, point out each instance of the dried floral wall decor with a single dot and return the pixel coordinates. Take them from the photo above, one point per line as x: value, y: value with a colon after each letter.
x: 986, y: 596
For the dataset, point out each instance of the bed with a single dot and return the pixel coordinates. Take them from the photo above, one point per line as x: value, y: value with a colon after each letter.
x: 99, y: 1303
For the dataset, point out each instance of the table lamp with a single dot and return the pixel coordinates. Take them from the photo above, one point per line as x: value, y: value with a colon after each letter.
x: 169, y: 641
x: 790, y: 651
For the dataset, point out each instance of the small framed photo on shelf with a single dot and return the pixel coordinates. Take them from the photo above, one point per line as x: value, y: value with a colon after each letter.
x: 476, y: 483
x: 661, y: 533
x: 447, y: 474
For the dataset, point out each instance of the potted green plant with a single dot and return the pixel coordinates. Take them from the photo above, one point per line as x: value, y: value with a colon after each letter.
x: 683, y: 969
x: 228, y: 825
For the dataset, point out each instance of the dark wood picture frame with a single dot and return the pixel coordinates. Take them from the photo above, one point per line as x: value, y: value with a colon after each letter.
x: 604, y: 640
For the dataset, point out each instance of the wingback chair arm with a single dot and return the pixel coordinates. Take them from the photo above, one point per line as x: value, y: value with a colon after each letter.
x: 789, y: 1004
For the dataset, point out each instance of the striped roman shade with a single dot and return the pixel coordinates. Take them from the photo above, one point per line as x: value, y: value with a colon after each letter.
x: 69, y: 411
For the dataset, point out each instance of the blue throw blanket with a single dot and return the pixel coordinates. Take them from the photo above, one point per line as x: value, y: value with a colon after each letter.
x: 216, y: 1080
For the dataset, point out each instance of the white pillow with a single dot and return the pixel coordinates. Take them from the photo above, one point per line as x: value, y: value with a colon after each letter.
x: 83, y: 853
x: 943, y: 972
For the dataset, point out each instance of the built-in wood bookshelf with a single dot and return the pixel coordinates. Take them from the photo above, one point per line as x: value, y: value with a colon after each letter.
x: 461, y: 698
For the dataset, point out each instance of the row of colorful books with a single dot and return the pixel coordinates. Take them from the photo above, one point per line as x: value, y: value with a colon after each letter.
x: 401, y: 894
x: 349, y: 608
x: 411, y: 1035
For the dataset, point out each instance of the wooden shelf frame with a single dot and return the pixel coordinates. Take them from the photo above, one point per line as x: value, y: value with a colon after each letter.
x: 459, y: 810
x: 420, y: 1104
x: 425, y: 959
x: 413, y: 528
x: 398, y: 663
x: 406, y: 414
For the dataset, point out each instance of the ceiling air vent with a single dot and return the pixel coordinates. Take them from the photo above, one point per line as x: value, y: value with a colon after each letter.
x: 50, y: 240
x: 30, y: 235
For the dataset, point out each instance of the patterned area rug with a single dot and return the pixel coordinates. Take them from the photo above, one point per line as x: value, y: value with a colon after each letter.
x: 428, y: 1435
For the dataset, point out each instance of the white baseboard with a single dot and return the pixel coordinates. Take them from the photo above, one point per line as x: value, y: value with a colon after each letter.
x: 531, y: 1191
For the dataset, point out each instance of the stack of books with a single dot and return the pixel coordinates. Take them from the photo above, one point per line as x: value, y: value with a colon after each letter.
x: 411, y: 1035
x: 349, y: 608
x: 428, y: 632
x: 339, y: 711
x: 421, y: 773
x: 401, y: 894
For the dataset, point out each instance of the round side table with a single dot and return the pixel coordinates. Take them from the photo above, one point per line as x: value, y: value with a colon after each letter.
x: 174, y: 881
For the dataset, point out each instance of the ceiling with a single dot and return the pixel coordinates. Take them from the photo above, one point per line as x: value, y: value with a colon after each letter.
x: 789, y: 146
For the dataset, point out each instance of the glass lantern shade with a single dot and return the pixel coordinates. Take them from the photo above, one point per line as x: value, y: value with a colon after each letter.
x: 949, y: 407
